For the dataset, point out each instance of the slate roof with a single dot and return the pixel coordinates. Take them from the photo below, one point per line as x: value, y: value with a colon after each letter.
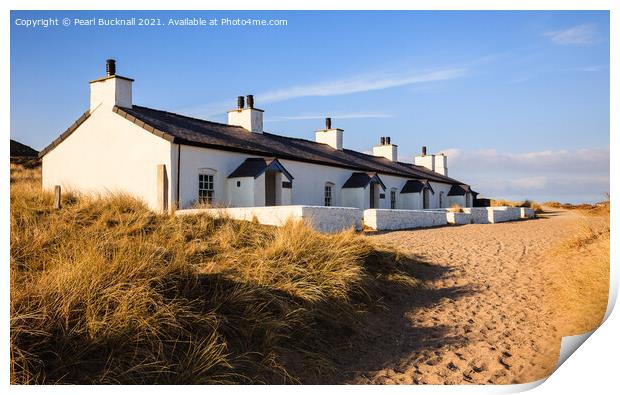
x: 181, y: 129
x: 254, y: 167
x: 361, y: 180
x: 460, y: 190
x: 22, y: 150
x: 416, y: 186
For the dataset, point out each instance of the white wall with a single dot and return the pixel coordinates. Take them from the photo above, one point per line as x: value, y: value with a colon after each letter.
x: 308, y: 184
x: 351, y: 197
x: 242, y: 195
x: 403, y: 219
x: 108, y: 153
x: 434, y: 198
x: 410, y: 201
x: 323, y: 219
x: 195, y: 158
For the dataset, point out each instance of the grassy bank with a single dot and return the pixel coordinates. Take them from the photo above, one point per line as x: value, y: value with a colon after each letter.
x: 580, y: 272
x: 523, y: 203
x: 104, y: 291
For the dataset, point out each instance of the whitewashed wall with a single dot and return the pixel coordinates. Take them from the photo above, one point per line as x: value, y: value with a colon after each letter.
x: 108, y: 153
x: 242, y: 195
x: 323, y: 219
x: 438, y: 188
x: 381, y: 219
x: 411, y: 201
x: 308, y: 184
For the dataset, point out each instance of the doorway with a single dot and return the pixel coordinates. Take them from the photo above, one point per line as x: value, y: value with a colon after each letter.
x: 426, y: 197
x: 372, y: 195
x: 270, y: 188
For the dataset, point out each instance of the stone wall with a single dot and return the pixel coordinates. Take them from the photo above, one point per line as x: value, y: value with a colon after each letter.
x: 335, y: 219
x: 486, y: 215
x: 527, y: 213
x: 479, y: 215
x: 503, y: 214
x: 380, y: 219
x: 323, y: 219
x: 458, y: 218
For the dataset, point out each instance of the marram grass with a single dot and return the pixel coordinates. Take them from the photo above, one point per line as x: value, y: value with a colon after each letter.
x: 104, y: 291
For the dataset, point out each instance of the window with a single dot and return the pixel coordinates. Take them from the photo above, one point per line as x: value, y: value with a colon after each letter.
x: 328, y: 194
x: 393, y: 199
x: 205, y: 188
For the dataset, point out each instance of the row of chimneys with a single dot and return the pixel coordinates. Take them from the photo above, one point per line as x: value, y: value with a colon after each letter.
x: 117, y: 91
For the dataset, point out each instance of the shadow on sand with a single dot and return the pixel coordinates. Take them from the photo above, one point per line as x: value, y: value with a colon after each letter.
x: 389, y: 335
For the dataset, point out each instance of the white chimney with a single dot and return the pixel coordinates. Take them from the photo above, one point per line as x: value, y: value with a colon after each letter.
x: 248, y: 117
x: 330, y: 136
x: 437, y: 163
x: 111, y: 90
x: 386, y: 149
x: 441, y: 164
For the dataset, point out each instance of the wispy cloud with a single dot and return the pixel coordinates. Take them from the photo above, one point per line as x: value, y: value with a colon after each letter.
x: 587, y: 69
x: 576, y: 35
x: 356, y: 84
x: 359, y: 83
x: 304, y: 117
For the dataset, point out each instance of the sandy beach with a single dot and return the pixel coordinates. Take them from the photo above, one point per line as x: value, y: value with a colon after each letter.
x: 484, y: 312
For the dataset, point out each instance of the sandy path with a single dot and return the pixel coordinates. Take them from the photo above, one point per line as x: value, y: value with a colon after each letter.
x: 480, y: 318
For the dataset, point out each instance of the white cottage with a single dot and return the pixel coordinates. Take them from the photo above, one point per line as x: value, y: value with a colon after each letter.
x: 173, y: 161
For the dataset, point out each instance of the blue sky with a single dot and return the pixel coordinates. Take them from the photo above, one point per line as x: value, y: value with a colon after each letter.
x: 518, y: 100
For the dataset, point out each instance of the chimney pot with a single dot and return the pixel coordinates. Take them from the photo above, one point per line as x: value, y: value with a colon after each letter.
x: 382, y: 140
x: 240, y: 102
x: 423, y: 150
x: 388, y: 140
x: 110, y: 67
x: 328, y: 123
x: 250, y: 101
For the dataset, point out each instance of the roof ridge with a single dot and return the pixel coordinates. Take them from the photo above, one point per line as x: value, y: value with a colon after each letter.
x: 346, y: 158
x: 181, y: 115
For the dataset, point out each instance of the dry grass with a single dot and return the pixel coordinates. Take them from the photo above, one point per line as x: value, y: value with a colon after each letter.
x: 456, y: 208
x: 511, y: 203
x: 105, y: 291
x: 580, y: 274
x: 597, y: 209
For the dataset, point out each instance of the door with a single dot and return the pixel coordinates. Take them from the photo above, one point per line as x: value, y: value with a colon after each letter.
x: 270, y: 188
x: 373, y: 202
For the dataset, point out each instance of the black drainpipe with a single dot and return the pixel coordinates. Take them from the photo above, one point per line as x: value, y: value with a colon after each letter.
x: 178, y: 176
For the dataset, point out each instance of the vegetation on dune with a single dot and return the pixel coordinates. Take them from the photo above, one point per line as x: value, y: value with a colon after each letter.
x: 105, y: 291
x: 579, y: 275
x: 597, y: 209
x: 524, y: 203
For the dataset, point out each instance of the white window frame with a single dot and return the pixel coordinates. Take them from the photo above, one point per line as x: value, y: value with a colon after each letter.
x: 206, y: 184
x: 328, y: 194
